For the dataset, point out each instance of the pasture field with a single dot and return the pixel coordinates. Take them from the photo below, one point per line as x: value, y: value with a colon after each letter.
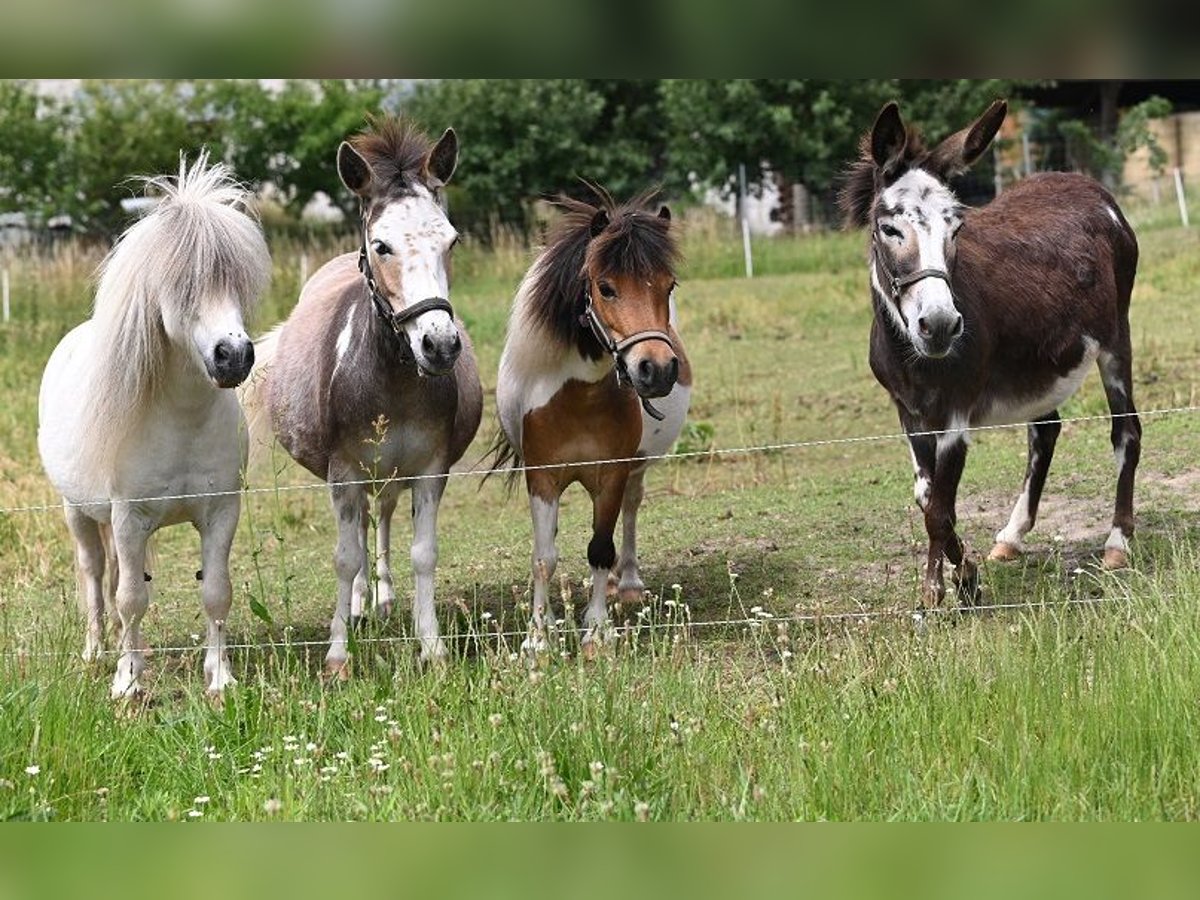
x: 774, y: 670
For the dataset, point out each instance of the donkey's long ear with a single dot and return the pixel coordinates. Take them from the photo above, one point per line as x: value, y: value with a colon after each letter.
x: 957, y: 153
x: 665, y: 213
x: 888, y: 137
x: 442, y: 159
x: 354, y: 170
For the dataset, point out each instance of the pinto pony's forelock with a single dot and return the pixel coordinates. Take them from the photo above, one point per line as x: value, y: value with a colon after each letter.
x: 201, y: 244
x: 635, y: 240
x: 396, y: 150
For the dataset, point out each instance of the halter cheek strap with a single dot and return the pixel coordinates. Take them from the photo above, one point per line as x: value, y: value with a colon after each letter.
x: 898, y: 284
x: 617, y: 349
x: 396, y: 320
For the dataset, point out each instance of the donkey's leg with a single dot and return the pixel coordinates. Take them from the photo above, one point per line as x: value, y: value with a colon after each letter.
x: 216, y: 589
x: 630, y: 586
x: 426, y: 497
x: 89, y: 562
x: 385, y: 597
x: 350, y: 508
x: 1043, y: 435
x: 923, y: 450
x: 940, y: 519
x: 1116, y: 371
x: 130, y: 534
x: 608, y: 491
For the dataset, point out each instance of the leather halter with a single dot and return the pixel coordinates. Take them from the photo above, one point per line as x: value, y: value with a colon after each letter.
x: 396, y: 320
x: 898, y: 284
x: 617, y: 348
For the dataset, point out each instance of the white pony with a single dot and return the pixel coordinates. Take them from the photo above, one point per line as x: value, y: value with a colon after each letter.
x: 132, y: 406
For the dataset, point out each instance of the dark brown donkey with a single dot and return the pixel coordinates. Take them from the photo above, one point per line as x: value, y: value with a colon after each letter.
x: 372, y: 378
x: 990, y: 316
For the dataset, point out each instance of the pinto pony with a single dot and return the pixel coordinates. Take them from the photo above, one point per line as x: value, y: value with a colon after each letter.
x: 134, y: 407
x: 371, y: 383
x: 593, y: 370
x: 991, y: 316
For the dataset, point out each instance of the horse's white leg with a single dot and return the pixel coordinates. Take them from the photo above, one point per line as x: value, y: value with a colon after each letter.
x: 608, y: 495
x: 426, y: 497
x: 545, y: 557
x: 630, y: 586
x: 350, y: 507
x: 216, y: 589
x: 130, y: 534
x: 361, y: 585
x: 90, y: 560
x: 385, y: 597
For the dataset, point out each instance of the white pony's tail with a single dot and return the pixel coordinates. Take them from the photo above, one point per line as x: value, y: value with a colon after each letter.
x: 253, y: 395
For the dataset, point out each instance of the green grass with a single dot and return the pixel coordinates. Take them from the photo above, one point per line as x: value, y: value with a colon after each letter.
x: 1055, y: 711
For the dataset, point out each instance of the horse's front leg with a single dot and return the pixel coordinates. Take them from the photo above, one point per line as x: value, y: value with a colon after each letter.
x: 630, y: 585
x: 940, y: 521
x: 90, y: 559
x: 426, y: 497
x: 216, y: 589
x: 608, y: 493
x: 130, y: 534
x: 544, y: 493
x: 350, y: 508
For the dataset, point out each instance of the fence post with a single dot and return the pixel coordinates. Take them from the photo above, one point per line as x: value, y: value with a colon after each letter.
x: 1026, y: 154
x: 745, y: 220
x: 303, y: 269
x: 4, y: 292
x: 1183, y: 210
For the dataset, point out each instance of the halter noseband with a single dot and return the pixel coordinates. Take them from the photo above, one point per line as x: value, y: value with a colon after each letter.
x: 616, y: 348
x: 898, y: 284
x: 395, y: 320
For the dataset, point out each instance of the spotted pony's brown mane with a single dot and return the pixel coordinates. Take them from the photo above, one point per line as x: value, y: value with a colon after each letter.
x: 396, y: 150
x: 636, y: 241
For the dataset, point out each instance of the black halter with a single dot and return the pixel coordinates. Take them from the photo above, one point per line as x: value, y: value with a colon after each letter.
x: 617, y: 348
x: 395, y: 320
x: 898, y: 284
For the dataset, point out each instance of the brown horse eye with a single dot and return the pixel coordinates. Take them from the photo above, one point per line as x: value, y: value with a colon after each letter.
x: 607, y: 291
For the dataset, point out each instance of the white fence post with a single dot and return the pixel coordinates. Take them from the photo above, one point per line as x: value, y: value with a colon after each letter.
x: 745, y: 220
x: 303, y: 269
x: 4, y: 292
x: 1183, y: 210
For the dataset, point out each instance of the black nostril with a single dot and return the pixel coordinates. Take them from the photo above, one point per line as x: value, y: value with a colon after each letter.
x: 673, y: 369
x: 427, y: 345
x: 923, y: 326
x: 222, y: 353
x: 958, y: 327
x: 645, y: 370
x: 456, y: 344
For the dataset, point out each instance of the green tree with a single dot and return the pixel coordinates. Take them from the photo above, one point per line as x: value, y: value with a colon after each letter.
x: 31, y: 151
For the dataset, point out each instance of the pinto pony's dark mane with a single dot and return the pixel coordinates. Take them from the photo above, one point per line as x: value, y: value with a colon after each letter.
x: 396, y: 150
x: 861, y: 182
x: 636, y: 241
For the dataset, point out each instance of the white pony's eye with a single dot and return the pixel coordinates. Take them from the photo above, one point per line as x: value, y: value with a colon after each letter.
x: 381, y: 248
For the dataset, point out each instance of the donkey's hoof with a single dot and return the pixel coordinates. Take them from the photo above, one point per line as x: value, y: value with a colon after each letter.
x: 1004, y: 552
x: 966, y: 581
x: 1115, y: 558
x: 336, y: 670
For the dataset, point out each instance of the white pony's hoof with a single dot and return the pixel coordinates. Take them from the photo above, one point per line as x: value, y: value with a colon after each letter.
x: 126, y: 687
x: 216, y: 682
x: 434, y: 654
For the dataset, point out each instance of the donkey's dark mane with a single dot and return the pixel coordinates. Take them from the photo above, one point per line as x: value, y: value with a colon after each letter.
x: 636, y: 241
x: 396, y: 150
x: 859, y: 185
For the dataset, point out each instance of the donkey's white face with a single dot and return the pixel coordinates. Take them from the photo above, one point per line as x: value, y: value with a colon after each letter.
x: 917, y: 218
x: 409, y: 243
x: 212, y: 333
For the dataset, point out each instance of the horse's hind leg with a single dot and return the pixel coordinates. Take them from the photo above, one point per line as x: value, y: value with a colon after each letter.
x: 385, y: 597
x: 1043, y: 435
x: 90, y: 554
x: 216, y: 590
x: 1116, y: 371
x: 350, y: 508
x: 630, y: 585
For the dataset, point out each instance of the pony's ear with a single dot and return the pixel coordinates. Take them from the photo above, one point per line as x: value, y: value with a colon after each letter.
x: 889, y: 137
x: 443, y: 158
x: 957, y: 153
x: 665, y: 213
x: 354, y: 170
x: 599, y: 221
